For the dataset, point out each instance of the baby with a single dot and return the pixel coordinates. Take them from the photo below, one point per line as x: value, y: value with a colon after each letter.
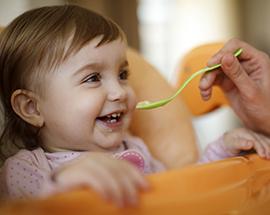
x: 67, y: 100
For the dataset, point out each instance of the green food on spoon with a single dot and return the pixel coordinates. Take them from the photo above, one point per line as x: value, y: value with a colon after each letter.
x: 146, y: 105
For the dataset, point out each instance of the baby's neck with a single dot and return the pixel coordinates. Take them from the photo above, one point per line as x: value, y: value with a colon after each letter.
x: 54, y: 149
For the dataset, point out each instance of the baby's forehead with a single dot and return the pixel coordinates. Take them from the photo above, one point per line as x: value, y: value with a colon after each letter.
x: 93, y: 49
x: 113, y: 53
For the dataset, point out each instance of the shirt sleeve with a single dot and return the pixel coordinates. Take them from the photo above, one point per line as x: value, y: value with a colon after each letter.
x: 22, y: 176
x: 215, y: 151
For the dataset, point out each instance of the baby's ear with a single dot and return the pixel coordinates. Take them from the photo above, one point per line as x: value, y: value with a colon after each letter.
x: 25, y: 105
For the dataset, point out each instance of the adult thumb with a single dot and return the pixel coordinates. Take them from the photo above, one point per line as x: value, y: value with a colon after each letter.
x: 235, y: 72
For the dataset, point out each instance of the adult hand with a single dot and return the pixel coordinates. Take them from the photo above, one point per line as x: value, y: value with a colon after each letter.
x: 245, y: 81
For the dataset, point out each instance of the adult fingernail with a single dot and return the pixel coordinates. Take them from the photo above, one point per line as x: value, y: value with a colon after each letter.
x: 204, y: 81
x: 228, y: 60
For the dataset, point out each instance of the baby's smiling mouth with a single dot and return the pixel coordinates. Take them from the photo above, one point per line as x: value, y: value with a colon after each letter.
x: 111, y: 118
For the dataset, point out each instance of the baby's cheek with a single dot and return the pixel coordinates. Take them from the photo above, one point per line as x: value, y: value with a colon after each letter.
x: 132, y: 100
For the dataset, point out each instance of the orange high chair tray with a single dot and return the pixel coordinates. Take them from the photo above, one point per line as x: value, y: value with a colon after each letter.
x: 237, y: 185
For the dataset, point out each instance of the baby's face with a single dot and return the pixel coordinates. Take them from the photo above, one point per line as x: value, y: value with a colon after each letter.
x: 87, y: 104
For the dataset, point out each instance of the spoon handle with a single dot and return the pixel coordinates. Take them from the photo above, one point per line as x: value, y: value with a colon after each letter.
x: 201, y: 71
x: 151, y: 105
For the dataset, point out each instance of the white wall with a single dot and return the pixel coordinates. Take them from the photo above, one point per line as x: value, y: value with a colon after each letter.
x: 170, y: 28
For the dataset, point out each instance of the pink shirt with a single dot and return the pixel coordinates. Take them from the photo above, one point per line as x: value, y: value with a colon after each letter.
x: 28, y: 173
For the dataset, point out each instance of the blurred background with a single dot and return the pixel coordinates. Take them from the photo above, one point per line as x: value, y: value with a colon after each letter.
x: 163, y: 31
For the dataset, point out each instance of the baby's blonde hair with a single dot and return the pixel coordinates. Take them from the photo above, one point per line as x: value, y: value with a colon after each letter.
x: 37, y: 42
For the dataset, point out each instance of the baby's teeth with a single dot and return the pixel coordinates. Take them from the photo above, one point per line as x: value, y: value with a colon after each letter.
x: 113, y: 120
x: 114, y: 115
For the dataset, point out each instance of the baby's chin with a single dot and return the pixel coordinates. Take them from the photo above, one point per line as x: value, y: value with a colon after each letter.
x: 113, y: 144
x: 110, y: 143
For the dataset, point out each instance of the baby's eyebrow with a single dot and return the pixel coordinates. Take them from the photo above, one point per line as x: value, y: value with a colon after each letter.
x: 92, y: 66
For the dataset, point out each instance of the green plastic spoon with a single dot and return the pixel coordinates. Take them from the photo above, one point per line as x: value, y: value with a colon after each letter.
x: 146, y: 105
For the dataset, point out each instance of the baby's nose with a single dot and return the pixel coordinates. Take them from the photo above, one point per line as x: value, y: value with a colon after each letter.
x: 117, y: 93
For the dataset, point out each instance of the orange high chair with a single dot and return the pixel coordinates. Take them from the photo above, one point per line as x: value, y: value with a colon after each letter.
x: 234, y: 186
x: 195, y: 60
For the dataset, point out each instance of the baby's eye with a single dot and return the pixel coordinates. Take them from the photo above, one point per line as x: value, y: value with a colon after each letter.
x: 94, y: 77
x: 123, y: 75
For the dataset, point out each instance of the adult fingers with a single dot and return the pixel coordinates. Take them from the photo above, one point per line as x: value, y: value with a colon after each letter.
x: 206, y: 83
x: 233, y: 69
x: 230, y: 47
